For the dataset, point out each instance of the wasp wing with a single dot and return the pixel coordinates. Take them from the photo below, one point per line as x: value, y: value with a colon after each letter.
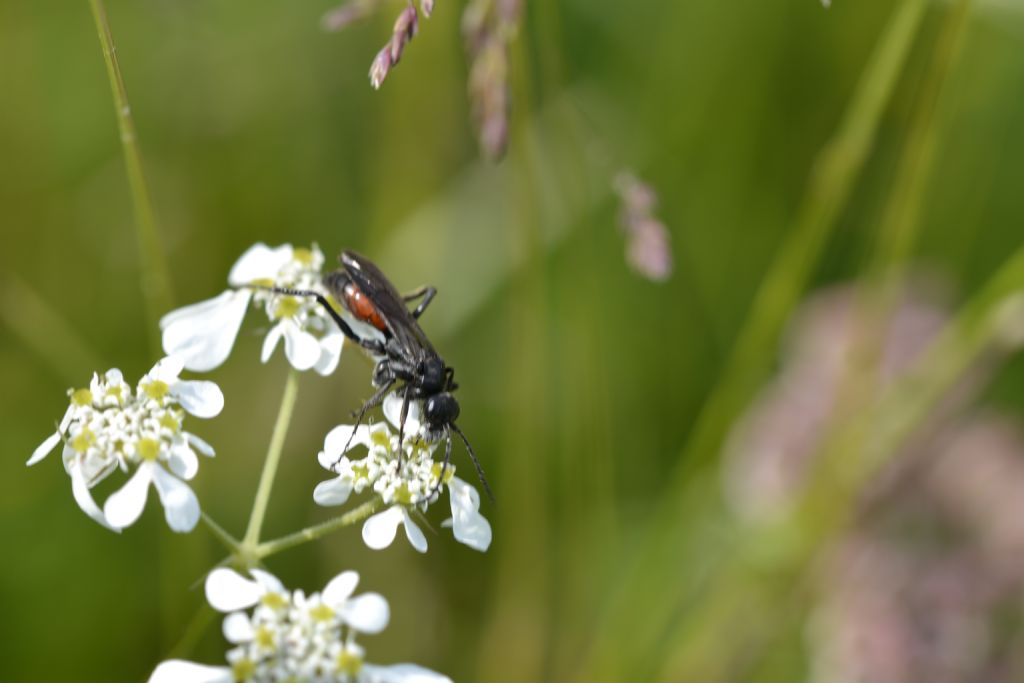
x: 379, y: 290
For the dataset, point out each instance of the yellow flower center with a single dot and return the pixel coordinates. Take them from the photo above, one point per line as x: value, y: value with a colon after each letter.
x: 287, y: 306
x: 403, y: 495
x: 321, y: 613
x: 262, y: 282
x: 116, y: 391
x: 274, y: 601
x: 303, y: 256
x: 380, y: 438
x: 156, y: 389
x: 148, y: 449
x: 264, y: 637
x: 83, y: 440
x: 170, y: 422
x: 243, y: 669
x: 81, y: 397
x: 349, y: 663
x: 449, y: 472
x: 361, y: 471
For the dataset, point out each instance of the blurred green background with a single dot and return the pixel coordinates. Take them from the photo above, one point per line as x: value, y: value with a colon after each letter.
x: 580, y: 381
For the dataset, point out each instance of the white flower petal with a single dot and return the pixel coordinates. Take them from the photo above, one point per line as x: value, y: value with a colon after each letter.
x: 80, y: 490
x: 340, y: 588
x: 238, y: 628
x: 259, y: 262
x: 166, y: 370
x: 330, y: 352
x: 70, y: 456
x: 204, y: 333
x: 183, y: 461
x: 44, y: 449
x: 301, y: 348
x: 179, y: 671
x: 333, y: 463
x: 332, y: 492
x: 200, y: 445
x: 336, y: 439
x: 380, y: 529
x: 125, y: 505
x: 393, y: 412
x: 414, y: 533
x: 229, y: 591
x: 94, y: 470
x: 270, y: 341
x: 366, y: 613
x: 402, y: 673
x: 468, y: 525
x: 270, y: 583
x: 181, y: 507
x: 66, y: 420
x: 199, y: 397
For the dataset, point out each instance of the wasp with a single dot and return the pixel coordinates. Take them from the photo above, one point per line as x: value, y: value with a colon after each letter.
x: 377, y: 318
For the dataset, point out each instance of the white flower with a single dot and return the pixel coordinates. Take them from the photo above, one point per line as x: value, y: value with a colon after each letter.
x: 405, y: 486
x: 466, y: 522
x: 204, y: 333
x: 291, y: 636
x: 380, y: 529
x: 109, y: 427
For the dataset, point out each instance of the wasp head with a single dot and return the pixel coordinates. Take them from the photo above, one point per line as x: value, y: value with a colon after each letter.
x: 440, y: 410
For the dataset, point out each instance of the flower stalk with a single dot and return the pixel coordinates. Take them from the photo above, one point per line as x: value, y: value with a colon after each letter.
x: 316, y: 531
x: 259, y: 506
x: 226, y: 539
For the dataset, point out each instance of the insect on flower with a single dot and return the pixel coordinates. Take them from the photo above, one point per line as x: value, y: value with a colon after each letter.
x: 376, y: 317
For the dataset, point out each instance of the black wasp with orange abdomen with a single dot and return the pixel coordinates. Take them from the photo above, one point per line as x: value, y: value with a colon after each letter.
x: 382, y: 324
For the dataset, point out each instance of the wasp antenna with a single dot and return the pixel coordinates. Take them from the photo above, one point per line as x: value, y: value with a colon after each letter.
x: 476, y: 463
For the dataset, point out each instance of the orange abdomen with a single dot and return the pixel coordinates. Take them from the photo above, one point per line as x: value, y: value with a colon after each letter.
x: 360, y: 306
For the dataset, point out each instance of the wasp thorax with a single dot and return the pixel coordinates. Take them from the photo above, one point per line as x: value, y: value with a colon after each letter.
x: 441, y: 409
x: 432, y: 375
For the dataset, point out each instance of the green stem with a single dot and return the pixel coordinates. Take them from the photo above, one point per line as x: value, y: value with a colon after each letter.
x: 195, y: 629
x: 901, y: 221
x: 318, y: 530
x: 154, y: 275
x: 831, y: 184
x: 636, y: 613
x: 226, y: 539
x: 259, y: 506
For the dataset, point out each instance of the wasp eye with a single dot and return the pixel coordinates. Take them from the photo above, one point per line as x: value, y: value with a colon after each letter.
x: 441, y: 409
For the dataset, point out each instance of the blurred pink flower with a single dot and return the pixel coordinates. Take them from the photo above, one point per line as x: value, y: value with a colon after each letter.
x: 926, y: 587
x: 771, y: 448
x: 648, y: 250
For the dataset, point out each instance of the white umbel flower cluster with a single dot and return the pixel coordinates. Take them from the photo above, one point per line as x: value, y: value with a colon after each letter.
x: 407, y: 484
x: 204, y: 333
x: 109, y: 427
x: 289, y: 636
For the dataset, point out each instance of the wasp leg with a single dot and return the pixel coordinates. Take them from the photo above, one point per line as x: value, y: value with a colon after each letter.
x: 371, y: 402
x: 372, y: 345
x: 427, y: 292
x: 401, y: 424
